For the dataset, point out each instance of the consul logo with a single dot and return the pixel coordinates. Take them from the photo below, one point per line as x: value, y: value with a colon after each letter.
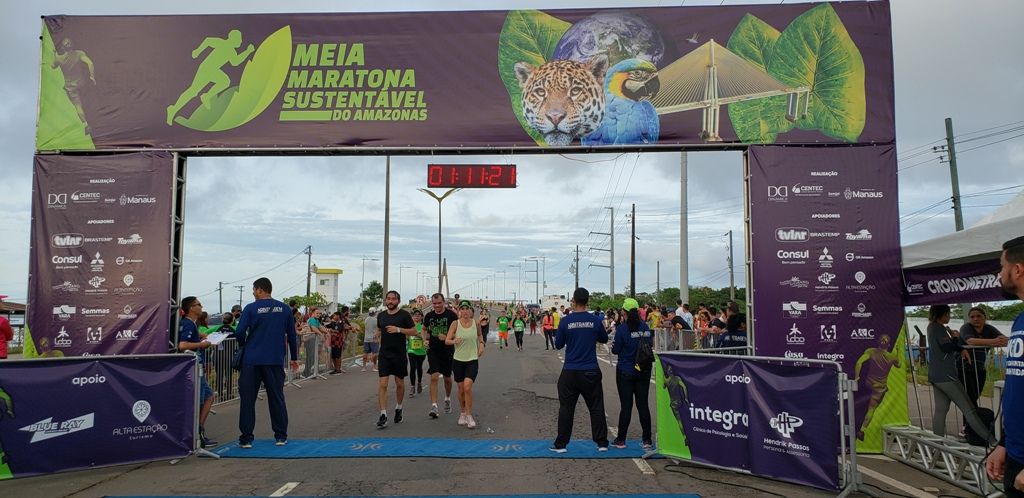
x: 792, y: 234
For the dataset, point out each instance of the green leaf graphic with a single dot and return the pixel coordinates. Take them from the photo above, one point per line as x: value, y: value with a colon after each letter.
x: 816, y: 51
x: 260, y: 83
x: 59, y: 126
x: 761, y: 120
x: 528, y: 36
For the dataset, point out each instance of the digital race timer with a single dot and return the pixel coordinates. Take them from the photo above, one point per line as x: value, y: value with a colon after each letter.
x: 471, y: 175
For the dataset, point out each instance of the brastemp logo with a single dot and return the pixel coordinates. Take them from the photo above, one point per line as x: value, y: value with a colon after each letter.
x: 222, y: 106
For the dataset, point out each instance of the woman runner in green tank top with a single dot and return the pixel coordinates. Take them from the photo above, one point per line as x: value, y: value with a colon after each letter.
x: 465, y: 335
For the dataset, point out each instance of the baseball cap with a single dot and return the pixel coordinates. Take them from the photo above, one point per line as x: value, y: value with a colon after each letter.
x: 465, y: 304
x: 630, y: 304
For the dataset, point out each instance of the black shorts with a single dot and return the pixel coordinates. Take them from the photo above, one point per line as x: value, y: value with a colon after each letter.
x: 440, y: 360
x: 335, y: 353
x: 392, y: 366
x: 463, y: 370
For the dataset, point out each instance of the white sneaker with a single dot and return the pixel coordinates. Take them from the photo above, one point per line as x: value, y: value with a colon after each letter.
x: 470, y: 422
x: 462, y: 419
x: 448, y: 405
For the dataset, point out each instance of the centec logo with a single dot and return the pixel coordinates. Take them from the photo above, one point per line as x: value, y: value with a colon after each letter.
x: 786, y: 424
x: 221, y: 105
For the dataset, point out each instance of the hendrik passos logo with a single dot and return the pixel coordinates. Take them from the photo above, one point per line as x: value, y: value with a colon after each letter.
x: 222, y: 106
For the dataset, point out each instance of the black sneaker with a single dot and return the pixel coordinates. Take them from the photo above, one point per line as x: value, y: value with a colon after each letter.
x: 382, y: 422
x: 245, y: 444
x: 205, y: 442
x: 398, y: 416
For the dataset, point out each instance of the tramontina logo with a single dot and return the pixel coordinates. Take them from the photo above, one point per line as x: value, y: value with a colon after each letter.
x: 786, y: 424
x: 222, y: 106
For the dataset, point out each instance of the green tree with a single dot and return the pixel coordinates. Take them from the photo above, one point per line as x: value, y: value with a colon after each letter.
x: 315, y: 299
x: 372, y: 295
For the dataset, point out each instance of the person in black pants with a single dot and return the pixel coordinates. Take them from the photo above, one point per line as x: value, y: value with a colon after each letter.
x: 264, y: 328
x: 632, y: 379
x: 579, y: 333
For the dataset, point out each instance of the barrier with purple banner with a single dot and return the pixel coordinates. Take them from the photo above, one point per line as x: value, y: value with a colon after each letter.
x: 767, y: 416
x: 76, y: 413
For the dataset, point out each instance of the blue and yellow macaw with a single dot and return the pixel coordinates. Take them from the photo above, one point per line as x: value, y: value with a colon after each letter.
x: 629, y: 117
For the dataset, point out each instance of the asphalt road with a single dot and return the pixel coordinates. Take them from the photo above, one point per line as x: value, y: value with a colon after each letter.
x: 515, y: 398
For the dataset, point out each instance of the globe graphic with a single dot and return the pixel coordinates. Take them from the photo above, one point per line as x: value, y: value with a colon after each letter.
x: 620, y: 35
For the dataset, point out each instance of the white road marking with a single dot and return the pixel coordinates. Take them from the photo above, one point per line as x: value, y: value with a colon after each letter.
x: 284, y: 490
x: 645, y: 468
x: 894, y: 483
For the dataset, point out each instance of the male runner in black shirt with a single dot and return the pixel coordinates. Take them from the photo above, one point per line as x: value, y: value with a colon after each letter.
x: 436, y: 323
x: 395, y: 326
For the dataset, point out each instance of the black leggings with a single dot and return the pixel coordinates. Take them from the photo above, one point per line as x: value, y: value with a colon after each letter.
x: 634, y: 387
x: 519, y: 338
x: 416, y: 369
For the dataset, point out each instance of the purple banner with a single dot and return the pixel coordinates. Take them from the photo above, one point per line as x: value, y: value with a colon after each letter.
x: 109, y: 411
x: 773, y: 419
x: 634, y: 77
x: 826, y: 273
x: 962, y: 283
x: 100, y: 259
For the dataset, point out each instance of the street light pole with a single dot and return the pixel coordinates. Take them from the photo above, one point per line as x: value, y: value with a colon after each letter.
x: 400, y: 268
x: 439, y: 200
x: 362, y: 280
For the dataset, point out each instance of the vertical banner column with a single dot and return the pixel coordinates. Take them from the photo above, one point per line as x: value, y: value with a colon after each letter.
x: 100, y: 259
x: 826, y: 271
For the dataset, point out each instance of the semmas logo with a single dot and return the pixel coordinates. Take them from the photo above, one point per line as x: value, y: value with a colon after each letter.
x: 222, y: 106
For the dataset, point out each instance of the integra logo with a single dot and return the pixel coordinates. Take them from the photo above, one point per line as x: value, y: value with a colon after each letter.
x: 67, y: 240
x: 792, y: 234
x: 136, y: 199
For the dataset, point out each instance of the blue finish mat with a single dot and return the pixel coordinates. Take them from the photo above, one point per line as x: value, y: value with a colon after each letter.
x: 425, y: 447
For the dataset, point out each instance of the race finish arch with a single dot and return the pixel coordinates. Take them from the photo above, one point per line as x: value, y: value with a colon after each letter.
x: 807, y: 87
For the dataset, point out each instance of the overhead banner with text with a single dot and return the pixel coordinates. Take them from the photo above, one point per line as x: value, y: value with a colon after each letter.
x: 826, y: 272
x: 100, y: 261
x: 771, y: 418
x: 960, y: 283
x: 801, y: 73
x: 80, y: 413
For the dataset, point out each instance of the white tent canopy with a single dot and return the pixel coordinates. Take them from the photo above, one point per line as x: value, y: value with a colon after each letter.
x: 982, y: 241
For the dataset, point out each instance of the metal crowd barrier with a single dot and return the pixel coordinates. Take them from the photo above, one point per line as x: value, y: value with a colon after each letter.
x: 314, y: 363
x: 666, y: 339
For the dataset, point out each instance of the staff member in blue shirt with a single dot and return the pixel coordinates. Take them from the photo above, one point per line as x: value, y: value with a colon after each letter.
x: 189, y: 339
x: 632, y: 379
x: 1007, y: 461
x: 579, y: 332
x: 264, y: 327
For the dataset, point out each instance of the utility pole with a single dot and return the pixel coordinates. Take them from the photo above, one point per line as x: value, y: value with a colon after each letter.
x: 439, y: 199
x: 362, y: 281
x: 657, y: 289
x: 387, y: 225
x: 240, y: 287
x: 684, y: 252
x: 400, y: 268
x: 576, y: 266
x: 536, y: 277
x: 954, y: 176
x: 732, y: 281
x: 519, y: 286
x: 632, y: 255
x: 220, y: 296
x: 309, y: 267
x: 611, y: 251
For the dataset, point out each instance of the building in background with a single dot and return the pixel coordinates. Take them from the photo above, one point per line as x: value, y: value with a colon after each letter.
x: 327, y: 286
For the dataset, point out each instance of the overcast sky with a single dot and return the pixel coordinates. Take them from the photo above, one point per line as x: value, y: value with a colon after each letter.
x: 253, y: 216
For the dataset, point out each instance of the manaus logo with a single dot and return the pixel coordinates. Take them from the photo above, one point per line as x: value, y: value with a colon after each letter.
x: 221, y: 105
